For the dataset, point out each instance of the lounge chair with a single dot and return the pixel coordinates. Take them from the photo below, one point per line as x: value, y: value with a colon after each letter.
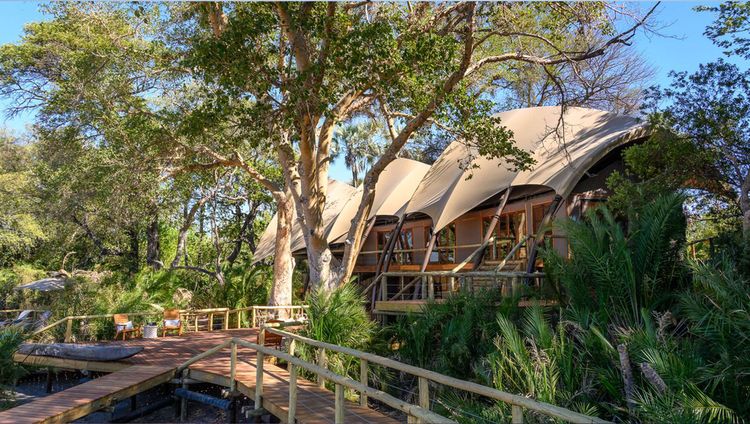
x: 272, y: 340
x: 171, y: 322
x: 124, y: 326
x: 22, y: 317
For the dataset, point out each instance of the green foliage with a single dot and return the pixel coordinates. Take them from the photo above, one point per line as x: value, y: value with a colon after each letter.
x: 615, y: 273
x: 10, y: 371
x: 339, y: 317
x: 717, y: 311
x: 450, y: 336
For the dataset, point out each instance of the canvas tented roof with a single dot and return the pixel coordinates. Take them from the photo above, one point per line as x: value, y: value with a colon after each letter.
x: 562, y: 149
x: 395, y: 187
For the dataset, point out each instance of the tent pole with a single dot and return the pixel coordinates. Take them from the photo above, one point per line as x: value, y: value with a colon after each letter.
x: 491, y: 229
x: 384, y: 259
x: 393, y: 241
x: 539, y: 238
x: 425, y: 261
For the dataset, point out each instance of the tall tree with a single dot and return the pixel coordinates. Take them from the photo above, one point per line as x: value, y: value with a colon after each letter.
x: 312, y: 66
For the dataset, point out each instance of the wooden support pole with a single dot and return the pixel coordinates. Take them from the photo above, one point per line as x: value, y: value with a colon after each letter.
x: 69, y: 331
x: 226, y: 319
x: 196, y: 322
x: 233, y: 369
x: 50, y: 374
x: 424, y: 393
x: 516, y: 414
x: 210, y: 321
x: 364, y: 379
x: 259, y: 381
x: 491, y: 228
x: 183, y: 401
x: 322, y: 362
x: 255, y: 317
x: 292, y: 394
x: 339, y: 405
x: 393, y: 241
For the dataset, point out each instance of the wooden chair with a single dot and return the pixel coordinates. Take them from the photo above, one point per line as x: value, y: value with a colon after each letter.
x: 171, y: 314
x: 120, y: 321
x: 272, y: 340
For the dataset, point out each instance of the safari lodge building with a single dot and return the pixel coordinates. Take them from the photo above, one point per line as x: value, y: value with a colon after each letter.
x: 463, y: 227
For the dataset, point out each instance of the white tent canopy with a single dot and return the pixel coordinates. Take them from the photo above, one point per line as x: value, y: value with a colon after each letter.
x: 563, y: 151
x: 395, y: 187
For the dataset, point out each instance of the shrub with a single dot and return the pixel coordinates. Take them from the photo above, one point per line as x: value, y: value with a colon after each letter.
x: 10, y: 339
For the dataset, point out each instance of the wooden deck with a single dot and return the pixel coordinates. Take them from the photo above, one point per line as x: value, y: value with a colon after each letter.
x: 88, y: 397
x: 314, y: 405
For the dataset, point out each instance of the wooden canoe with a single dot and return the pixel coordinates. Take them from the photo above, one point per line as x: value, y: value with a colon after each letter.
x: 102, y: 353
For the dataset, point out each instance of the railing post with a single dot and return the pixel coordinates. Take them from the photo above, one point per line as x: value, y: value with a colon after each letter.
x: 291, y: 347
x: 363, y: 378
x: 233, y: 369
x: 259, y: 381
x: 383, y: 287
x: 69, y: 331
x: 321, y: 363
x: 239, y: 319
x: 255, y: 317
x: 430, y: 287
x: 424, y: 394
x: 210, y: 321
x: 516, y: 414
x: 292, y: 394
x: 196, y: 322
x: 226, y: 319
x: 423, y: 290
x: 338, y: 417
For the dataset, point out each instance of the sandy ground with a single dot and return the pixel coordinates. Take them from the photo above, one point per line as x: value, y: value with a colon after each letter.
x: 33, y: 386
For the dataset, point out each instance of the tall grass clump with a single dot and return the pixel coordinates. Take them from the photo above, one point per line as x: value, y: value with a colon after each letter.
x: 10, y: 339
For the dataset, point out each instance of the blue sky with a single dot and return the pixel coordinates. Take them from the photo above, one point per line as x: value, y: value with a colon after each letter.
x: 683, y: 46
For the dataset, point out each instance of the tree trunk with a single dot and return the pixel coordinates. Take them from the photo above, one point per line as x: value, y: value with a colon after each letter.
x: 153, y: 245
x: 186, y: 224
x: 283, y: 262
x: 134, y: 251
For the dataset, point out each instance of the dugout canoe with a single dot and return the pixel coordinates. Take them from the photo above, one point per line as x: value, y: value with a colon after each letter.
x: 101, y: 353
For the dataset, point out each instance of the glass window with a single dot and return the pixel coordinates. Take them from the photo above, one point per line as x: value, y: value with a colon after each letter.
x: 510, y: 229
x: 444, y: 251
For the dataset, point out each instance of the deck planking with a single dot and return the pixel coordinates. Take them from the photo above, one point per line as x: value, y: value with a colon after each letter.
x: 81, y: 400
x: 314, y: 405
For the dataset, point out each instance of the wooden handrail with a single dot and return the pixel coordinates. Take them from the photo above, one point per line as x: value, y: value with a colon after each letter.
x: 542, y: 407
x: 464, y: 274
x: 183, y: 312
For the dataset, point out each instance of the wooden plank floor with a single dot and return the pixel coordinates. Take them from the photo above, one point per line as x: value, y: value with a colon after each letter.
x: 314, y: 405
x: 81, y: 400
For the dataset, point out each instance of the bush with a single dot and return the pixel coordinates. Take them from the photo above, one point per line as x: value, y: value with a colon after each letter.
x: 10, y: 371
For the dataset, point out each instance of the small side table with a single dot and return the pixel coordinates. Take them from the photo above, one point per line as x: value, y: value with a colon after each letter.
x: 150, y: 331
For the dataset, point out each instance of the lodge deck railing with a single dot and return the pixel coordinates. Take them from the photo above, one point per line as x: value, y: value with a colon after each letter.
x: 209, y: 319
x: 431, y: 285
x: 420, y: 412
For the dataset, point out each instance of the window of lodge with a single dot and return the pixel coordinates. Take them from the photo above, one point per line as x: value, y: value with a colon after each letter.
x: 538, y: 212
x: 510, y: 229
x: 403, y: 251
x: 444, y: 251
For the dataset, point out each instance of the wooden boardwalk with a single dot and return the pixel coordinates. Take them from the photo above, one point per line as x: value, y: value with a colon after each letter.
x: 314, y: 405
x: 81, y: 400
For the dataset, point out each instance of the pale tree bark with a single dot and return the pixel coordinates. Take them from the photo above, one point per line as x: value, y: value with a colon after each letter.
x: 185, y: 227
x: 283, y: 262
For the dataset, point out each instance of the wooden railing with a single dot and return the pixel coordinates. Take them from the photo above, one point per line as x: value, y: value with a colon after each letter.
x: 420, y: 412
x: 439, y: 284
x: 194, y: 319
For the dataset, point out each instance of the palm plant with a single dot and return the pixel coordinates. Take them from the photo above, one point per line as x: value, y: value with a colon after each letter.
x: 717, y: 311
x: 10, y: 339
x: 359, y: 147
x: 616, y: 272
x: 338, y: 317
